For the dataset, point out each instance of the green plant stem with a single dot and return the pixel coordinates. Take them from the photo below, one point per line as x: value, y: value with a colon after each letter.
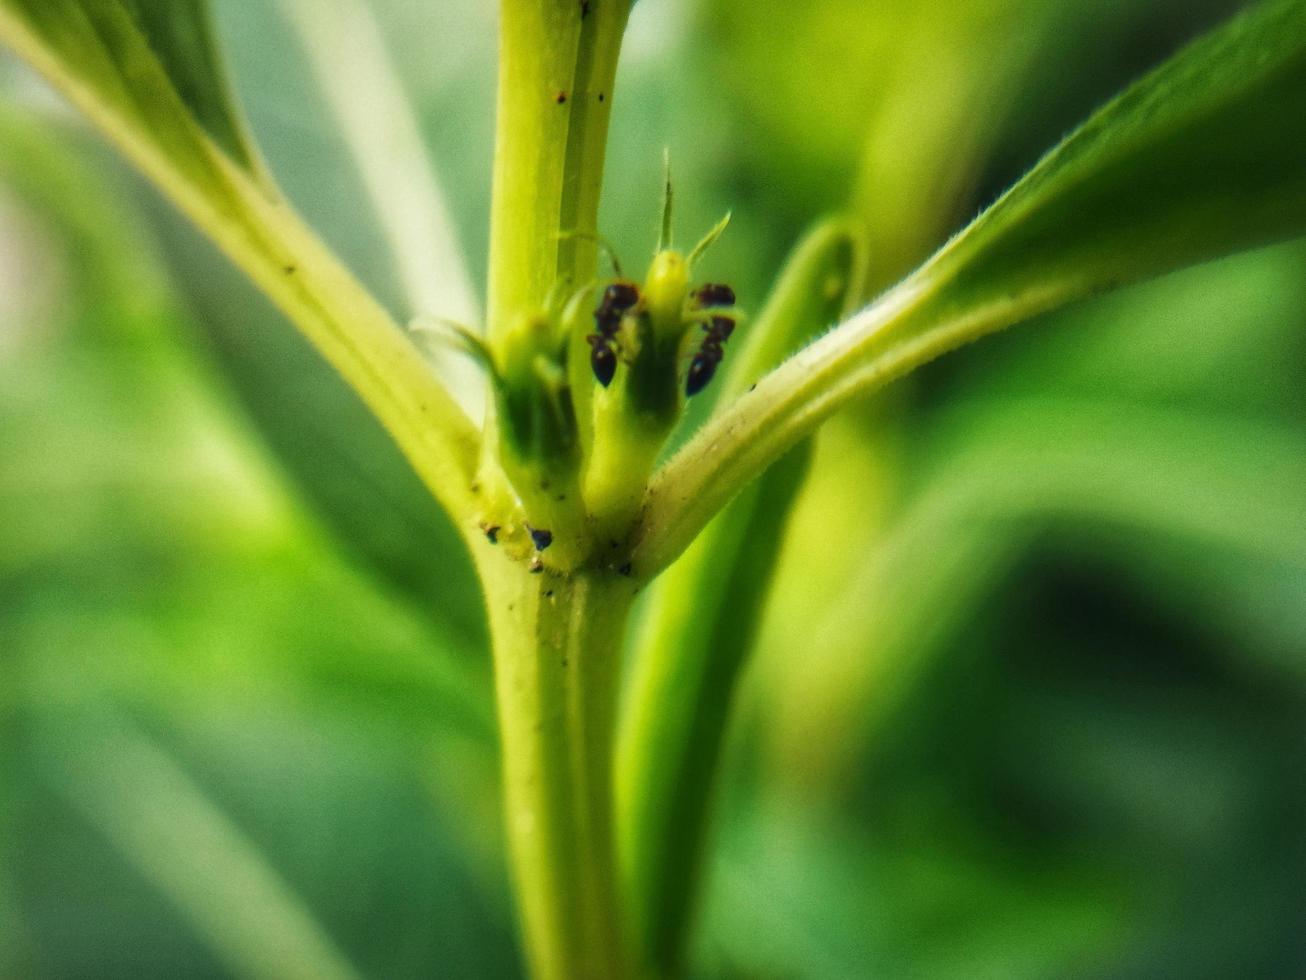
x: 556, y: 637
x: 557, y: 63
x: 692, y: 654
x: 700, y: 624
x: 557, y: 643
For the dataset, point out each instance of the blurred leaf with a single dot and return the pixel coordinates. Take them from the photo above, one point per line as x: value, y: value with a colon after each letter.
x: 149, y: 72
x: 343, y: 463
x: 151, y: 565
x: 798, y: 894
x: 101, y: 59
x: 340, y: 461
x: 1167, y: 416
x: 1225, y: 336
x: 180, y: 34
x: 151, y: 810
x: 1204, y: 157
x: 359, y: 82
x: 1156, y: 433
x: 1214, y: 494
x: 914, y: 100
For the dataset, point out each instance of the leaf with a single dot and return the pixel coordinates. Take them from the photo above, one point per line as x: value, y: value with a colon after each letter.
x: 149, y: 562
x: 1177, y: 471
x: 180, y: 34
x: 1204, y: 157
x: 135, y: 78
x: 117, y: 66
x: 185, y: 845
x: 341, y: 461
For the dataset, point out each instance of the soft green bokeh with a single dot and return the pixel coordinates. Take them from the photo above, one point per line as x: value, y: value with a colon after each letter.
x: 1028, y: 698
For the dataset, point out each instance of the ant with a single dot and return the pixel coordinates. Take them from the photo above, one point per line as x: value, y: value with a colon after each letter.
x: 618, y: 300
x: 718, y: 329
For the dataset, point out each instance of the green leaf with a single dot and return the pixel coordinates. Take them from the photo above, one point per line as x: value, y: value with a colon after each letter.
x: 149, y: 82
x: 1204, y: 157
x: 146, y: 74
x: 342, y: 463
x: 180, y: 34
x: 151, y: 565
x: 186, y: 846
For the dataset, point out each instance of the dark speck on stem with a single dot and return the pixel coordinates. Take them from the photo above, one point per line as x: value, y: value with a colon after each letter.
x: 625, y: 570
x: 541, y: 537
x: 561, y: 98
x: 492, y: 534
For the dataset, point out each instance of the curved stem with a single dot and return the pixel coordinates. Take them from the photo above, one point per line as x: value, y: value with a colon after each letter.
x: 699, y: 628
x: 1200, y: 159
x: 259, y: 232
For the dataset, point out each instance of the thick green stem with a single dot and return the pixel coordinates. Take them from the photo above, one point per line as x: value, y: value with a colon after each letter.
x: 556, y: 637
x: 557, y: 643
x: 557, y: 63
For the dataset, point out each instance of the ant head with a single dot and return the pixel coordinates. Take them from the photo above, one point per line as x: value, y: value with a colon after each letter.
x: 715, y: 294
x: 620, y: 295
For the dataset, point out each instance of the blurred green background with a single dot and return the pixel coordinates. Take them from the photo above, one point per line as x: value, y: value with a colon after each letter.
x: 1030, y: 694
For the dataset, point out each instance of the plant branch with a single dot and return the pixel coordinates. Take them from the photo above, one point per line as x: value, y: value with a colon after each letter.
x: 1202, y: 158
x: 106, y: 68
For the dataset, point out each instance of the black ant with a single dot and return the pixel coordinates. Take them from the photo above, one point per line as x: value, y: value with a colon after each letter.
x: 718, y: 328
x: 618, y: 300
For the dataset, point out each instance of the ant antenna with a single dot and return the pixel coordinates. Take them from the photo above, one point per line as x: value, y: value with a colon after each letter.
x: 709, y: 239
